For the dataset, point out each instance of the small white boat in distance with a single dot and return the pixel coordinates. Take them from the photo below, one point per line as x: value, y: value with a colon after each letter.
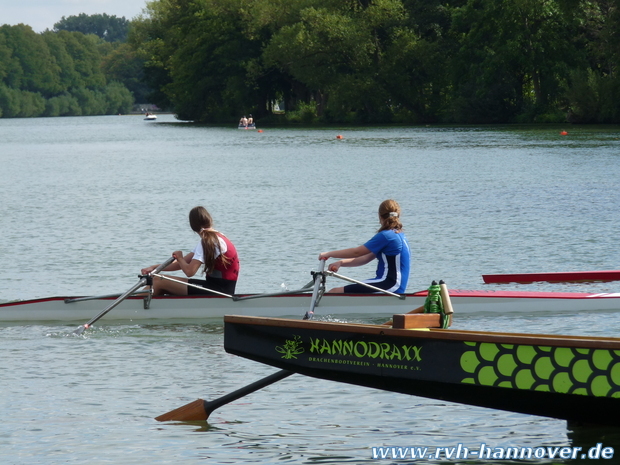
x: 249, y: 126
x: 199, y: 307
x: 150, y: 117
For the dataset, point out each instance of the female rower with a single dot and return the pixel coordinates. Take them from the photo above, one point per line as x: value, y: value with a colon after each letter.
x: 389, y: 246
x: 214, y: 251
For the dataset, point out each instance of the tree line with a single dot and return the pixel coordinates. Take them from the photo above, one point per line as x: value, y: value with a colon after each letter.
x: 376, y: 61
x: 82, y: 67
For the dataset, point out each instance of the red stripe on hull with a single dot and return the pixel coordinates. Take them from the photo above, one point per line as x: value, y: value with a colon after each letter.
x: 563, y: 277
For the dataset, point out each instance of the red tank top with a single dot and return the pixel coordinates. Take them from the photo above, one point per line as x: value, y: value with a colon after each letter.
x: 230, y: 271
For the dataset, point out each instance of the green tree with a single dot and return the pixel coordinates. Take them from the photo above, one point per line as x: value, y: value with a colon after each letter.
x: 513, y: 58
x: 56, y: 74
x: 196, y: 56
x: 84, y: 52
x: 118, y: 98
x: 32, y: 67
x: 108, y: 28
x: 468, y: 61
x: 123, y: 64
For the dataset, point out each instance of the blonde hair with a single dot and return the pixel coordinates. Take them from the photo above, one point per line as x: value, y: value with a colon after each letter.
x: 201, y: 222
x: 389, y: 212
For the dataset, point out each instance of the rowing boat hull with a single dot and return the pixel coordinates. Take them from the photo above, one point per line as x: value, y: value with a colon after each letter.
x: 174, y: 308
x: 566, y: 377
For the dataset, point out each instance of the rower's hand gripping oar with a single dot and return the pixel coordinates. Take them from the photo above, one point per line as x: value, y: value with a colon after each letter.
x: 319, y: 278
x: 200, y: 410
x: 143, y: 281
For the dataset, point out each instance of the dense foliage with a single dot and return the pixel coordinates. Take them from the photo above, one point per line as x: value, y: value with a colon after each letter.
x: 108, y: 28
x: 64, y: 73
x: 419, y: 61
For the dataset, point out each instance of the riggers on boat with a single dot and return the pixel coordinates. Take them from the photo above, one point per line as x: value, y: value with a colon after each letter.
x: 565, y: 377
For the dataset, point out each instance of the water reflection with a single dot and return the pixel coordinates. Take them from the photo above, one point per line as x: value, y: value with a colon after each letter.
x: 588, y: 437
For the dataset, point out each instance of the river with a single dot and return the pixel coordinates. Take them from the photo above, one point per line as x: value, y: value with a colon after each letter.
x: 86, y: 202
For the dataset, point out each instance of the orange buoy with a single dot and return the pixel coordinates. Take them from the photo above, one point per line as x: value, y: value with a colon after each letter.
x: 564, y: 133
x: 339, y: 136
x: 260, y: 130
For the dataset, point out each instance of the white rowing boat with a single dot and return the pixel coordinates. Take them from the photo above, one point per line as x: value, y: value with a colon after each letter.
x: 179, y: 309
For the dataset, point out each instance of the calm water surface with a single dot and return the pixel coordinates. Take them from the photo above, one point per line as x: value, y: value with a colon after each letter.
x: 86, y: 202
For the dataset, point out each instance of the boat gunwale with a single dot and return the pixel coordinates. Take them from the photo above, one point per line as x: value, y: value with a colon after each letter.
x: 238, y: 297
x: 455, y: 293
x: 555, y: 340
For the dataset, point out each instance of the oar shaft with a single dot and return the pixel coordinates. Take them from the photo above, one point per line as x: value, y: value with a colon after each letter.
x: 244, y: 391
x: 140, y: 283
x: 97, y: 297
x: 272, y: 294
x: 199, y: 410
x: 331, y: 273
x: 168, y: 278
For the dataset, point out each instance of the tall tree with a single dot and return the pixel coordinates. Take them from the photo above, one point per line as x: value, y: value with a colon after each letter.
x: 109, y: 28
x: 125, y: 66
x: 196, y: 54
x: 31, y: 66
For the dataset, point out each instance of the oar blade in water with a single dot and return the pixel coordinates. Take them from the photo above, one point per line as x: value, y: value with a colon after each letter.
x: 194, y: 411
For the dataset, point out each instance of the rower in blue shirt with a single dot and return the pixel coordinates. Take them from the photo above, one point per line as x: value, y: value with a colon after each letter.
x: 389, y: 246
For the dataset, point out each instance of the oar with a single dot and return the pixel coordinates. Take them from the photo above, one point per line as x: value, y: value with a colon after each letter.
x: 318, y: 277
x: 70, y: 300
x: 200, y: 410
x: 142, y: 282
x: 351, y: 280
x: 191, y: 285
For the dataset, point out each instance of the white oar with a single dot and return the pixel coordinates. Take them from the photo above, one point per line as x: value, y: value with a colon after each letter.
x: 142, y: 282
x: 70, y: 300
x: 168, y: 278
x: 318, y: 279
x: 351, y: 280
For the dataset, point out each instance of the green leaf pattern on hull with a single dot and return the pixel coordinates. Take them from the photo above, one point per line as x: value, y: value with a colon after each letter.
x: 590, y: 372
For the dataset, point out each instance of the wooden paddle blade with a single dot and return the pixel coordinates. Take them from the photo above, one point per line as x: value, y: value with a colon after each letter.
x: 194, y: 411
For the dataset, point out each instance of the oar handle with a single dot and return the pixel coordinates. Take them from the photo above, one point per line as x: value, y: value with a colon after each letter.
x: 140, y: 283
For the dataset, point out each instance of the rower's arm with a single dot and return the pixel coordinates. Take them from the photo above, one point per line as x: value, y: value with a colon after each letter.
x: 359, y: 261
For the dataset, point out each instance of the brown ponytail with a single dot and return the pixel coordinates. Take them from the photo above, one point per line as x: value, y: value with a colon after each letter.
x: 201, y: 222
x: 389, y: 212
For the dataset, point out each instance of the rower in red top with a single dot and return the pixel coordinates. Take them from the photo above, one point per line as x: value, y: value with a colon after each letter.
x: 215, y: 252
